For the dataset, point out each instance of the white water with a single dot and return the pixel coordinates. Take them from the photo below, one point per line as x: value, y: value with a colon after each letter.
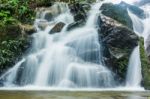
x: 134, y: 75
x: 66, y: 59
x: 141, y: 28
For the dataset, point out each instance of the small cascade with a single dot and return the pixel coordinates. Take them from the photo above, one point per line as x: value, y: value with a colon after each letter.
x: 134, y: 75
x: 141, y: 28
x: 68, y: 59
x: 138, y: 25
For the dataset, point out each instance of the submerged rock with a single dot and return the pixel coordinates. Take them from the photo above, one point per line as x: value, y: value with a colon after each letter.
x: 75, y: 25
x: 118, y: 42
x: 48, y: 16
x: 42, y: 24
x: 57, y: 28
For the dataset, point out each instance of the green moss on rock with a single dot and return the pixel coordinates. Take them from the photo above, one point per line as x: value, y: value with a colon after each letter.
x: 145, y: 65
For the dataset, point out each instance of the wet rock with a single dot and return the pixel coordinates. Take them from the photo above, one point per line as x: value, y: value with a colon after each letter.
x: 75, y: 25
x: 42, y: 24
x: 118, y: 42
x: 79, y: 11
x: 57, y: 28
x: 79, y: 17
x: 48, y: 16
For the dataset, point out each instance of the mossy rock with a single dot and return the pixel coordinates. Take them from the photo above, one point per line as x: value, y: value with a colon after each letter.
x: 145, y: 65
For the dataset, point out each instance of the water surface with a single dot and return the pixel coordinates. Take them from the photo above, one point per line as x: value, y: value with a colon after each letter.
x: 73, y: 95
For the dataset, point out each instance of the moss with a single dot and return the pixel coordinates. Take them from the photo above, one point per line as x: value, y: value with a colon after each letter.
x: 145, y: 65
x: 122, y: 65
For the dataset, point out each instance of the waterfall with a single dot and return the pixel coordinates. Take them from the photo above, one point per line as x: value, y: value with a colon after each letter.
x: 141, y: 28
x: 134, y: 76
x: 68, y: 59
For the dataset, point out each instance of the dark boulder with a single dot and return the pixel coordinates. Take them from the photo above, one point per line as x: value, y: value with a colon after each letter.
x: 79, y: 17
x: 57, y: 28
x: 79, y: 11
x: 118, y: 42
x: 48, y: 16
x: 75, y: 25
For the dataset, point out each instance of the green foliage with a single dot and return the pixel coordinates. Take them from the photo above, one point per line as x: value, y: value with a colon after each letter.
x: 145, y: 65
x: 10, y: 50
x: 6, y: 18
x: 122, y: 66
x: 16, y: 10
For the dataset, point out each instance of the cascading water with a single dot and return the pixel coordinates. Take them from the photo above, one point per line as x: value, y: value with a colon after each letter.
x: 65, y: 59
x: 134, y: 75
x: 141, y: 28
x: 70, y: 59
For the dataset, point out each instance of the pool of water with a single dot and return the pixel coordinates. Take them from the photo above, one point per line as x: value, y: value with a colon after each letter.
x: 28, y: 94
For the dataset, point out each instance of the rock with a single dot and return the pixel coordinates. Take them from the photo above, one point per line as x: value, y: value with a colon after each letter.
x: 118, y: 42
x: 75, y: 25
x: 48, y: 16
x: 57, y: 28
x: 28, y: 29
x: 42, y: 24
x: 79, y: 17
x: 79, y: 11
x: 119, y: 12
x: 117, y: 53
